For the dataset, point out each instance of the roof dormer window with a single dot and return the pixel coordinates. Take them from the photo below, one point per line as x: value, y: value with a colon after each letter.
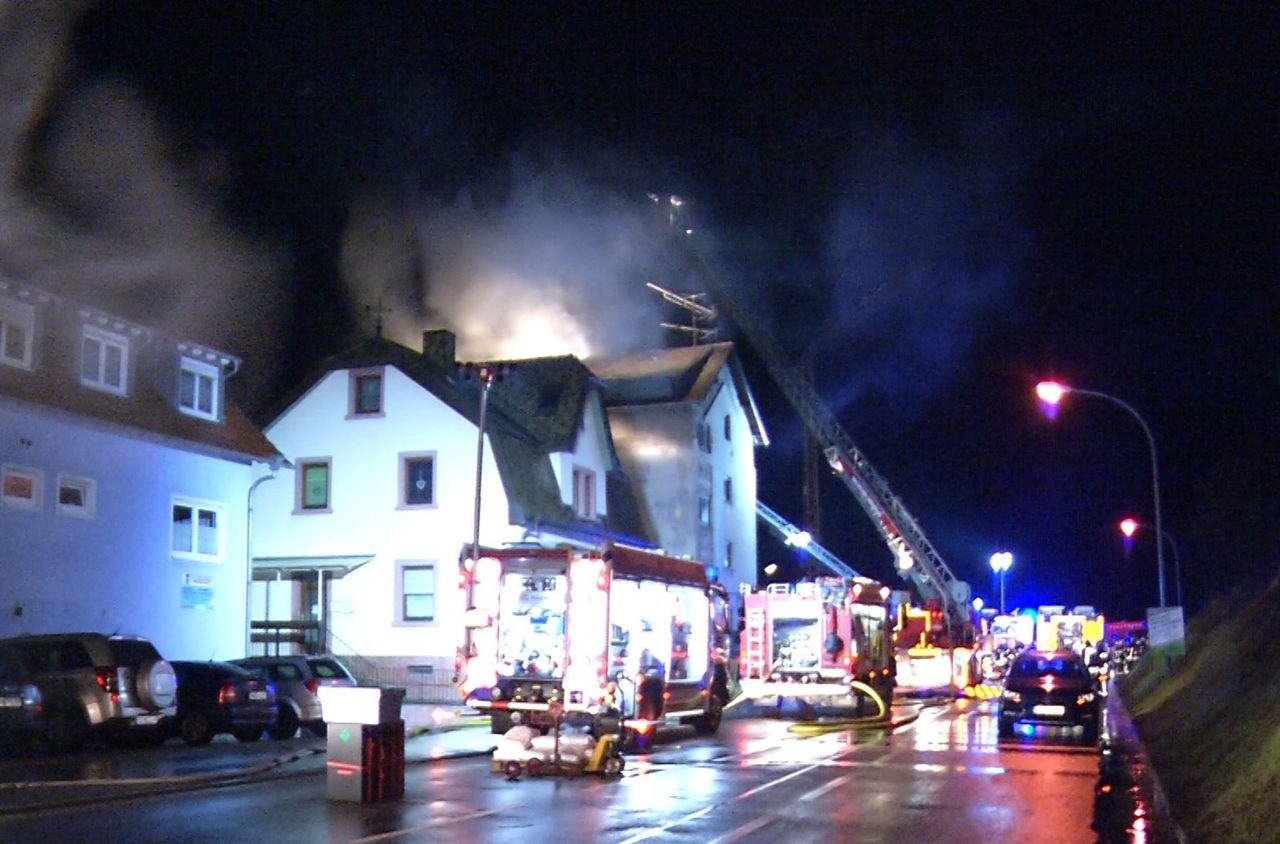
x: 17, y: 323
x: 198, y: 389
x: 104, y: 360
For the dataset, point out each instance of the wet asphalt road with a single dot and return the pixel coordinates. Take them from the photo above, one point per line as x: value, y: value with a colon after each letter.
x: 942, y: 776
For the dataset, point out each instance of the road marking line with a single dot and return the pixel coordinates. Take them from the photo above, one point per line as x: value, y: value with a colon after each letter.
x: 433, y: 824
x: 823, y: 789
x: 658, y: 830
x: 744, y: 830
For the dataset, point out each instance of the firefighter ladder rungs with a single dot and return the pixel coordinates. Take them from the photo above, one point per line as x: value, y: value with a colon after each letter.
x: 785, y: 529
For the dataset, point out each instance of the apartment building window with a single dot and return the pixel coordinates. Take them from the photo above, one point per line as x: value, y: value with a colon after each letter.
x: 198, y: 389
x: 728, y: 555
x: 415, y: 592
x: 366, y: 392
x: 196, y: 530
x: 418, y: 479
x: 21, y: 487
x: 104, y: 358
x: 314, y: 480
x: 704, y: 510
x: 584, y: 493
x: 76, y: 496
x: 728, y: 490
x: 704, y: 437
x: 17, y: 327
x: 728, y: 429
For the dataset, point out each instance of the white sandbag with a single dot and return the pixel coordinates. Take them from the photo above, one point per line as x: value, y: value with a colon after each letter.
x: 522, y: 733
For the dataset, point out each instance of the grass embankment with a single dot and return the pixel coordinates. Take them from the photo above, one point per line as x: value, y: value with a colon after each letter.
x: 1211, y: 726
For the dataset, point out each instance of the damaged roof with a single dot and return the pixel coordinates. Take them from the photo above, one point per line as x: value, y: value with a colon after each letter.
x: 680, y: 375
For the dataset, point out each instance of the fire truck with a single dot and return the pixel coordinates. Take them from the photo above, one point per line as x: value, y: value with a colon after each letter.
x: 624, y: 637
x: 817, y: 639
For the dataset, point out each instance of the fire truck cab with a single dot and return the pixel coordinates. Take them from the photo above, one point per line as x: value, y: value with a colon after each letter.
x: 628, y: 637
x: 815, y: 638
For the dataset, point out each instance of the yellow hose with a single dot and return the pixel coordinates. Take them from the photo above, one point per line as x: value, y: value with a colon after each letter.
x: 813, y: 728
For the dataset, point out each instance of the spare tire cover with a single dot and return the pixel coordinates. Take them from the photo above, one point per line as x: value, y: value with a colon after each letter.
x: 157, y: 684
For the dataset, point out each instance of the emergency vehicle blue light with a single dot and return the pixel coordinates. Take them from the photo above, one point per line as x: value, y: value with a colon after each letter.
x: 713, y: 573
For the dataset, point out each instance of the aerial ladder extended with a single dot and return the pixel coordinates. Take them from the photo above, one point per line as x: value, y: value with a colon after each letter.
x: 915, y: 557
x: 797, y: 538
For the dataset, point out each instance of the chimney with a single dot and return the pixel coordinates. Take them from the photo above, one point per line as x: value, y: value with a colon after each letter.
x: 437, y: 347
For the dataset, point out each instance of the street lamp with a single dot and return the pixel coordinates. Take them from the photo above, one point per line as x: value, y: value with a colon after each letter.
x: 486, y: 374
x: 1051, y: 392
x: 1130, y: 526
x: 1000, y: 562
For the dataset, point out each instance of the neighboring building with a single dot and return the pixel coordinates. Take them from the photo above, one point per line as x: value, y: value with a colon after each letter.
x: 686, y: 428
x: 356, y: 547
x: 126, y: 471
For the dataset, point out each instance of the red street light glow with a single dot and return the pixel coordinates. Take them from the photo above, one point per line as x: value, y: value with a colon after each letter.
x: 1051, y: 392
x: 1129, y: 526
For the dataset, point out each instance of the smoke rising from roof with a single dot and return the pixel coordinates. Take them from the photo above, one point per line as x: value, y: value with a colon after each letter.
x: 97, y: 204
x: 555, y: 265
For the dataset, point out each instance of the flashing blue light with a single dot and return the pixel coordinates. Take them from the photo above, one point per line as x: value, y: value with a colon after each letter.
x: 1025, y: 729
x: 1032, y: 612
x: 713, y: 573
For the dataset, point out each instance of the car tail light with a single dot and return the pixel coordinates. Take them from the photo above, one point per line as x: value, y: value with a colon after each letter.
x: 312, y: 685
x: 227, y: 694
x: 108, y: 681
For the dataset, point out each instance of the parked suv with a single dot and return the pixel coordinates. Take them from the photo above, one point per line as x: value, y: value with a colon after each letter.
x: 218, y: 697
x: 92, y: 683
x: 298, y: 680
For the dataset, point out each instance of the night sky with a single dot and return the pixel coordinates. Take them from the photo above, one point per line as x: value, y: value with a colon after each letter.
x: 939, y: 204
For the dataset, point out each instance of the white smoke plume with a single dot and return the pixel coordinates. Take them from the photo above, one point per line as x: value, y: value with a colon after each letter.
x: 556, y: 267
x: 97, y: 205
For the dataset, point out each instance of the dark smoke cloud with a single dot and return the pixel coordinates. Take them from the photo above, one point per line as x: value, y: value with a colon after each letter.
x: 97, y: 204
x: 922, y: 250
x: 555, y: 264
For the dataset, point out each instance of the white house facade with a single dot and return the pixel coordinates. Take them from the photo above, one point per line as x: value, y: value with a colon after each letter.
x: 356, y: 545
x: 125, y: 474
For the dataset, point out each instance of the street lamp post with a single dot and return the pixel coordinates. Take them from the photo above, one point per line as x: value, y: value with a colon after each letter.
x: 1000, y: 562
x: 1052, y: 393
x: 486, y: 375
x: 1130, y: 526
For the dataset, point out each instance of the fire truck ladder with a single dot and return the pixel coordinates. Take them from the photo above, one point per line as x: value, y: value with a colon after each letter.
x: 793, y: 536
x: 915, y: 556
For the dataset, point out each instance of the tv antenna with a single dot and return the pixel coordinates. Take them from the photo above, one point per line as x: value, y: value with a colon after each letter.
x: 699, y: 313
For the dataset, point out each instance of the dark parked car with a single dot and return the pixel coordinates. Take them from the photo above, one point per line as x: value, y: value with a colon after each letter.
x: 116, y: 686
x: 298, y: 680
x: 218, y: 697
x: 1050, y: 688
x: 21, y: 704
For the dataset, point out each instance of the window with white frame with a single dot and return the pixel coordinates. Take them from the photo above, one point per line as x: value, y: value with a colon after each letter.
x: 584, y: 493
x: 415, y: 592
x: 366, y: 392
x: 418, y: 479
x: 197, y: 530
x: 17, y: 328
x: 21, y: 487
x: 704, y: 510
x: 314, y: 485
x: 198, y: 389
x: 76, y: 496
x: 104, y: 359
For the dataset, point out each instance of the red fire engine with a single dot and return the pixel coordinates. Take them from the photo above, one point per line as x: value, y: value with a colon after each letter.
x: 827, y: 638
x: 613, y: 632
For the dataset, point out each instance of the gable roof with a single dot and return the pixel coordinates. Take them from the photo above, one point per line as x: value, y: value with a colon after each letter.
x: 146, y: 411
x: 680, y: 375
x: 535, y: 409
